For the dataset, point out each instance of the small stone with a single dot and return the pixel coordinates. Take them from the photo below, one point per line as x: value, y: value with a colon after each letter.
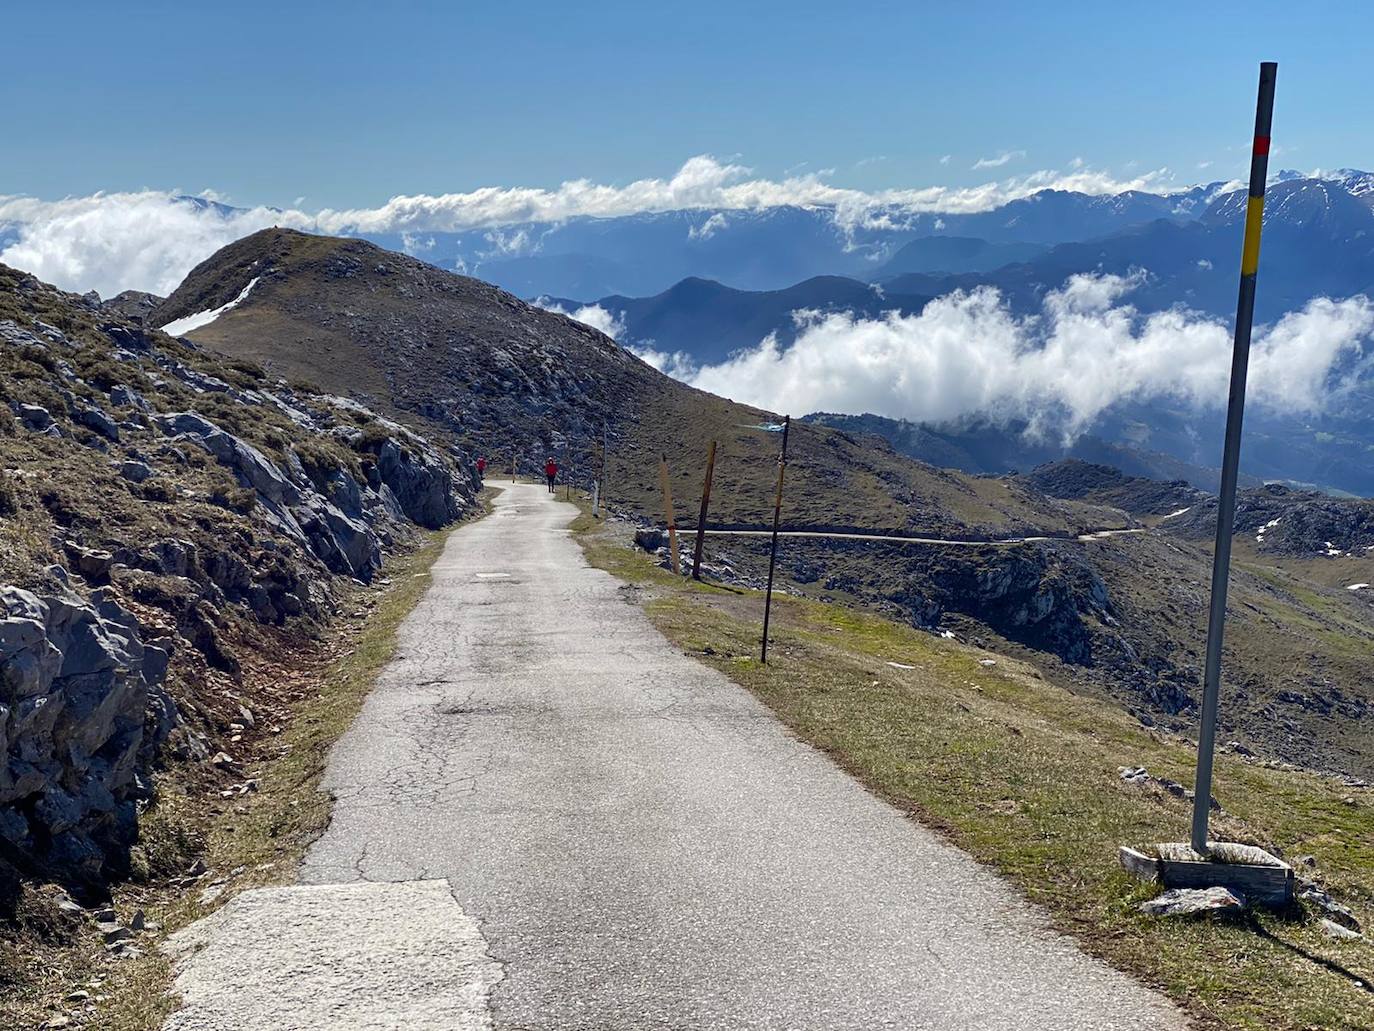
x: 61, y: 1020
x: 67, y: 904
x: 223, y: 759
x: 1334, y: 930
x: 106, y: 915
x: 1343, y: 915
x: 117, y: 934
x: 987, y: 662
x: 80, y: 995
x: 1187, y: 901
x: 138, y: 921
x: 135, y: 472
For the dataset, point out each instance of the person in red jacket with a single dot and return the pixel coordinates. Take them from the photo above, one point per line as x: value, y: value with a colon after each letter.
x: 481, y: 468
x: 551, y: 471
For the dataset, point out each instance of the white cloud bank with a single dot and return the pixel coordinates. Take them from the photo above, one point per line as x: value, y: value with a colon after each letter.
x: 589, y: 315
x: 967, y: 353
x: 124, y: 241
x: 149, y: 240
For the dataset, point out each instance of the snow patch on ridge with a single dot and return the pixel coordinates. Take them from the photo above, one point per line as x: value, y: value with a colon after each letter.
x: 181, y: 327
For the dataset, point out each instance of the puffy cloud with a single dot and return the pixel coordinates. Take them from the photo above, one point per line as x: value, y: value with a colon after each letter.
x: 1010, y: 155
x: 119, y: 241
x: 966, y: 353
x: 709, y: 228
x: 677, y: 364
x: 589, y: 315
x: 149, y: 240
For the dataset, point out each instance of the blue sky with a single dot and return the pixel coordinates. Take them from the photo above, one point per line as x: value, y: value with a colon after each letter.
x: 348, y: 104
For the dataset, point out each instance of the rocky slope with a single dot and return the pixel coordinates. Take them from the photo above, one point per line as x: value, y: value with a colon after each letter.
x: 165, y: 516
x: 1073, y: 479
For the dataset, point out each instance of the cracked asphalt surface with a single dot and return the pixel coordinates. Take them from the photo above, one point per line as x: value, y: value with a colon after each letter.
x: 642, y: 843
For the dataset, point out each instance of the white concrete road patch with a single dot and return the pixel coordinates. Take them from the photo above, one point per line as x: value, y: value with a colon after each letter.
x: 363, y: 956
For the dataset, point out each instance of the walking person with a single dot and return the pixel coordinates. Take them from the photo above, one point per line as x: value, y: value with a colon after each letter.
x: 481, y: 468
x: 551, y: 471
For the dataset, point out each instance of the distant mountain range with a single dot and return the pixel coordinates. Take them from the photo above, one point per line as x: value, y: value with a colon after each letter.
x: 777, y: 247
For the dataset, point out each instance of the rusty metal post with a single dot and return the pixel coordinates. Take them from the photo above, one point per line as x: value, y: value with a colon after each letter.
x: 773, y: 548
x: 668, y: 509
x: 701, y: 518
x: 1230, y: 461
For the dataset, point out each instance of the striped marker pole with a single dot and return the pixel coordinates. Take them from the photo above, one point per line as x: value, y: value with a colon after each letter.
x: 1230, y: 462
x: 773, y: 547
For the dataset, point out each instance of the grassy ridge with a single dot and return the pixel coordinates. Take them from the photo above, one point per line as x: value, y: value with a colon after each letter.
x: 1023, y: 775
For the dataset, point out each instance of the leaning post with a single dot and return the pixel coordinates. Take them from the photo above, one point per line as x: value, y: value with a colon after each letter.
x: 1230, y: 462
x: 701, y: 518
x: 668, y: 508
x: 605, y: 449
x: 773, y: 548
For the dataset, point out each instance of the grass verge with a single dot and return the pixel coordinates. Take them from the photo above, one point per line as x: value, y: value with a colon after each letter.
x: 243, y: 841
x: 1023, y: 775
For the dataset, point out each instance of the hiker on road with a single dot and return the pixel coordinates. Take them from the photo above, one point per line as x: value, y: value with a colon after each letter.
x: 551, y: 471
x: 481, y: 468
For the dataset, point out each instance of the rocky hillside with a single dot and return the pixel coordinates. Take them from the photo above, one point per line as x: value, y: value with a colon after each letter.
x: 166, y: 518
x: 1076, y: 480
x: 1297, y: 523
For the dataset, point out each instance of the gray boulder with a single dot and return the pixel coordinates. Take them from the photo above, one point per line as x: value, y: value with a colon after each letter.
x: 89, y: 562
x: 81, y: 711
x: 127, y: 397
x: 134, y: 471
x: 254, y: 469
x: 95, y: 420
x: 421, y: 481
x: 1189, y: 901
x: 34, y: 417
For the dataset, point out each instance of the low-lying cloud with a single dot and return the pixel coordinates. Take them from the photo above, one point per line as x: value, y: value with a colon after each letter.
x: 968, y: 354
x: 589, y: 315
x: 111, y: 242
x: 149, y: 240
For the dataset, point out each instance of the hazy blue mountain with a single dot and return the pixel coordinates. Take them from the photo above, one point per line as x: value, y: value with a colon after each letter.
x: 955, y: 254
x: 709, y: 320
x: 980, y: 446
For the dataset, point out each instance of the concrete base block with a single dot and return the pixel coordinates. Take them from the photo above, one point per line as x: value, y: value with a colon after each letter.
x: 1249, y: 872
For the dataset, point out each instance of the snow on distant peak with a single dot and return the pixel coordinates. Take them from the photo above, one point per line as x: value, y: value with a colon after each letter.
x: 181, y: 327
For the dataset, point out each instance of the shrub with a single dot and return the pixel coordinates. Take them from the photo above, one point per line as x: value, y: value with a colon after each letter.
x: 373, y: 436
x: 9, y: 497
x: 226, y: 493
x: 158, y: 489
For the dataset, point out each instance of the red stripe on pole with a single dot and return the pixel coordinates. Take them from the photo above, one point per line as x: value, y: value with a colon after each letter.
x: 1261, y: 144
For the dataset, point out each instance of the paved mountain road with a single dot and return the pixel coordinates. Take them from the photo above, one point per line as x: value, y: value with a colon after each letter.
x: 640, y: 842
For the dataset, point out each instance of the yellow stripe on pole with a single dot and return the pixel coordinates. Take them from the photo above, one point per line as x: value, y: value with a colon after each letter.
x: 1254, y: 221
